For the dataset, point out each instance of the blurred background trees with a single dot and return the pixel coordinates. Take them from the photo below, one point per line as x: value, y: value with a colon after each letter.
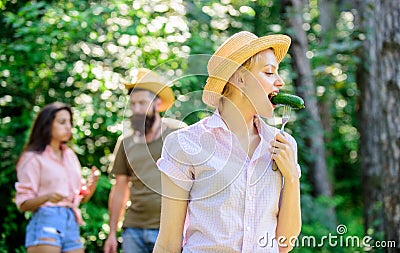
x: 378, y: 79
x: 80, y: 52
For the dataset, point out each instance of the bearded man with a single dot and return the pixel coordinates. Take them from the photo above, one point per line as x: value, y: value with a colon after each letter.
x: 137, y: 177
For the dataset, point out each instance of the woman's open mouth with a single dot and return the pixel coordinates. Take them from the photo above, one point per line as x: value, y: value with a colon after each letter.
x: 271, y: 95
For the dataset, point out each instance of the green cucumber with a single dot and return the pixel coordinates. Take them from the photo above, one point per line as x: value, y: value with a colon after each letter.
x: 293, y: 101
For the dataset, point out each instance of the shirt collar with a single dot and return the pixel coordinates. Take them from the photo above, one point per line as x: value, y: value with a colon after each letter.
x: 215, y: 121
x: 265, y: 131
x: 49, y: 151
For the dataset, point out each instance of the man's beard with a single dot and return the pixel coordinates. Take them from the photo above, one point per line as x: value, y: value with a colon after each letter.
x: 142, y: 123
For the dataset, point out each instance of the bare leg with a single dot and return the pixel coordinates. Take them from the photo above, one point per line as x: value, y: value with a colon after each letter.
x: 75, y: 251
x: 43, y: 249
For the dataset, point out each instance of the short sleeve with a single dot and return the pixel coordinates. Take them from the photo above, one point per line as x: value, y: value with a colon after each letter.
x: 294, y: 145
x: 120, y: 165
x: 174, y: 163
x: 28, y: 174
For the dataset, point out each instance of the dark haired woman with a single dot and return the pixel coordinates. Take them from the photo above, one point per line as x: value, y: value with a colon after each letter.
x: 50, y: 184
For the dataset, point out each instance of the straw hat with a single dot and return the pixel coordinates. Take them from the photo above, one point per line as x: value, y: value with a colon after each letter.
x: 151, y: 81
x: 232, y: 54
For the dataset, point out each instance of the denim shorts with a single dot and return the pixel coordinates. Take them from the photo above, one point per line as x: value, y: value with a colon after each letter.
x: 139, y: 240
x: 55, y: 226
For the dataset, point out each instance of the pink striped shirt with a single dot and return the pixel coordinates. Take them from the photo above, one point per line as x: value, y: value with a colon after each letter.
x: 40, y: 174
x: 234, y: 200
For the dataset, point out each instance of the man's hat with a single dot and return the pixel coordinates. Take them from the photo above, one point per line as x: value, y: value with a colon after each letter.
x: 235, y: 51
x: 151, y: 81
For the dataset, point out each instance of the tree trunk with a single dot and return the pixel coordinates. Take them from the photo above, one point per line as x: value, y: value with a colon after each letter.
x: 327, y: 19
x: 306, y: 88
x: 378, y: 78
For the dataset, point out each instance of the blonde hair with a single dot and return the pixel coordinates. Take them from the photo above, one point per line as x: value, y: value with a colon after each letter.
x: 246, y: 66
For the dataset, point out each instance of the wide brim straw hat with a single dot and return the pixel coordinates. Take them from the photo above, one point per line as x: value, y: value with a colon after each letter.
x: 235, y: 51
x: 149, y: 80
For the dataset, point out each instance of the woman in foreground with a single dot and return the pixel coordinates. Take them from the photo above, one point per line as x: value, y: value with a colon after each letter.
x: 230, y: 182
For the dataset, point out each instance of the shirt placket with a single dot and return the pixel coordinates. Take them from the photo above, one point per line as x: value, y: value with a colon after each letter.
x: 64, y: 165
x: 249, y: 209
x: 70, y: 188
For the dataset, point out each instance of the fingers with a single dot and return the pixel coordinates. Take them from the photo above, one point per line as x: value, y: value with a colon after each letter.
x: 281, y: 149
x: 278, y: 146
x: 278, y: 154
x: 95, y: 172
x: 282, y: 153
x: 58, y: 196
x: 55, y: 197
x: 94, y: 175
x: 110, y: 247
x: 281, y: 138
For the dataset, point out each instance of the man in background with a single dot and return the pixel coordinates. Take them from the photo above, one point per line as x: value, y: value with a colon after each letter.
x: 137, y: 177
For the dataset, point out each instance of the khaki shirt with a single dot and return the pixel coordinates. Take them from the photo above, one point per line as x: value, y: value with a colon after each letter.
x: 138, y: 160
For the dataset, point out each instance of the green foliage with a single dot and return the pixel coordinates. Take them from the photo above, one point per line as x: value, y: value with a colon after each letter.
x: 81, y: 52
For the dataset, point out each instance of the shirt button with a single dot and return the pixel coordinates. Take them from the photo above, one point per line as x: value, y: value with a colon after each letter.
x: 250, y: 198
x: 248, y: 228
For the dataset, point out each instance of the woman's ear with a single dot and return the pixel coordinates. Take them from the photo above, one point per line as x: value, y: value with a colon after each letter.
x: 237, y: 79
x: 241, y: 80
